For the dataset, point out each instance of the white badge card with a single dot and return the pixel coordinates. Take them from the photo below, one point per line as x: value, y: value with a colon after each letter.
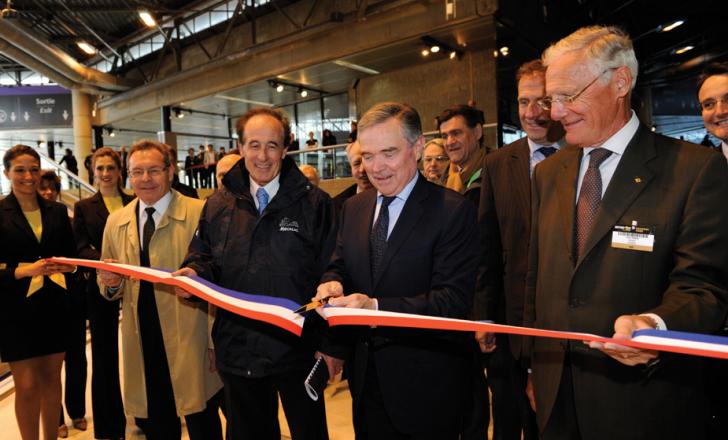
x: 633, y: 237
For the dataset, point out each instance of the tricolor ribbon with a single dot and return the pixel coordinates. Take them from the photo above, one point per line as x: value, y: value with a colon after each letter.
x: 280, y: 312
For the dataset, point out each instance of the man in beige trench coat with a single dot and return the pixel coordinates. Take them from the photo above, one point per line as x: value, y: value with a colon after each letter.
x: 167, y: 373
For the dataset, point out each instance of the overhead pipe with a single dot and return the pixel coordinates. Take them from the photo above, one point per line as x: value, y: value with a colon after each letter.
x: 42, y: 50
x: 31, y: 63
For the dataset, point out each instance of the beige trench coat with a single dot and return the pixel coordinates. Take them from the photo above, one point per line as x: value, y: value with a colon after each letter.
x: 185, y: 325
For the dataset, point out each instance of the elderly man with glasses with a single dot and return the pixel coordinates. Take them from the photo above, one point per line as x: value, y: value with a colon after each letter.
x: 167, y: 372
x: 628, y: 233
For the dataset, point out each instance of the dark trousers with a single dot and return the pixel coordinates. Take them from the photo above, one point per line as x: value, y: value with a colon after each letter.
x: 76, y: 367
x: 476, y: 416
x: 191, y: 177
x: 252, y: 407
x: 563, y: 424
x: 372, y: 422
x: 162, y: 422
x: 512, y: 413
x: 106, y: 402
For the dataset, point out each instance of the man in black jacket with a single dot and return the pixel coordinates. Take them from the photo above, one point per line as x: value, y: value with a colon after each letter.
x: 271, y: 233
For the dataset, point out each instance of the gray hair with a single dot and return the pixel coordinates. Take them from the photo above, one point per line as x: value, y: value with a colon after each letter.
x: 605, y: 47
x: 405, y: 114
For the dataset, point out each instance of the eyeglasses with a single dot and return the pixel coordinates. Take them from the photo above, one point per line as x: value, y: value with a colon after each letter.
x: 428, y: 159
x: 138, y: 173
x: 548, y: 101
x: 709, y: 104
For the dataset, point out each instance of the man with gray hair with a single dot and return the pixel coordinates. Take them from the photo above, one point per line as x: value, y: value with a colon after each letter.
x: 410, y: 246
x: 627, y: 234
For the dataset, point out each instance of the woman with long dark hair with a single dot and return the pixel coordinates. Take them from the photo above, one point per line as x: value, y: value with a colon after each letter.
x: 89, y: 219
x: 34, y: 301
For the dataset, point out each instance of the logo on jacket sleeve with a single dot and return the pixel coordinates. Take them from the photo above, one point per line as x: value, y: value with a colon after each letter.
x: 288, y: 225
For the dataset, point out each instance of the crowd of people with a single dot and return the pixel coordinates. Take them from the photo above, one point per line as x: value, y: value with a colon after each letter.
x: 535, y: 234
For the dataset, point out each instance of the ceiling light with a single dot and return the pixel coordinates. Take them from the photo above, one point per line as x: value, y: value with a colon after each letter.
x: 279, y: 88
x: 504, y: 51
x: 671, y: 26
x: 682, y: 50
x: 425, y: 52
x: 435, y: 49
x: 86, y: 48
x: 111, y: 132
x: 453, y: 54
x: 147, y: 18
x: 179, y: 113
x: 495, y: 54
x: 304, y: 93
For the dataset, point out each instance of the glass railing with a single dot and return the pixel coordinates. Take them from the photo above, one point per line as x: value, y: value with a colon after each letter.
x: 73, y: 188
x: 331, y: 161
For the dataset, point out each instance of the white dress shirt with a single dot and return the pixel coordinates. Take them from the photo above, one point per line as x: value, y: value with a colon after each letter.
x: 160, y: 207
x: 271, y: 188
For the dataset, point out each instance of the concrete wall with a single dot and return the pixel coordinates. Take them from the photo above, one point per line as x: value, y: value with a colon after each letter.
x: 438, y: 84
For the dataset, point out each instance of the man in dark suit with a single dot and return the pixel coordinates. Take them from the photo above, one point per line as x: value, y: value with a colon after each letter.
x: 504, y: 217
x: 353, y: 153
x: 411, y: 246
x: 628, y: 233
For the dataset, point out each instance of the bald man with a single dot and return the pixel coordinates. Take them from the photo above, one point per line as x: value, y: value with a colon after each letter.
x: 224, y: 165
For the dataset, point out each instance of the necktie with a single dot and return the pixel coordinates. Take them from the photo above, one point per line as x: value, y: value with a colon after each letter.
x: 378, y: 237
x: 262, y: 197
x: 590, y: 197
x: 147, y: 233
x: 547, y: 151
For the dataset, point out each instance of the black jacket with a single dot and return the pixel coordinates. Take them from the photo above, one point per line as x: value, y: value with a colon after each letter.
x: 281, y: 253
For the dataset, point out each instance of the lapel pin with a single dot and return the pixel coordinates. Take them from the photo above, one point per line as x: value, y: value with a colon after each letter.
x: 637, y: 180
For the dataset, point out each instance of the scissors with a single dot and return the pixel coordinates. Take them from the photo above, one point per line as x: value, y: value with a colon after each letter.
x: 313, y: 304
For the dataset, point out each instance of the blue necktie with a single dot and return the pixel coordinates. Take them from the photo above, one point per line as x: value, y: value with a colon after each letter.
x: 262, y: 197
x: 547, y: 151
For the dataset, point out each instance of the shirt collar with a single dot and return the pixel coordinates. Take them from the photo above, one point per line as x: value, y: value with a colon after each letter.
x: 271, y: 188
x: 160, y: 206
x: 619, y: 140
x: 404, y: 194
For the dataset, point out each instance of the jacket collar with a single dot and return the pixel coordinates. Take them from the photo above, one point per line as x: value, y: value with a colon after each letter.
x: 293, y: 183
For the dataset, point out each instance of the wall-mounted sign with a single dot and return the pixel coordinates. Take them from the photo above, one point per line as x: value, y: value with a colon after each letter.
x: 35, y: 107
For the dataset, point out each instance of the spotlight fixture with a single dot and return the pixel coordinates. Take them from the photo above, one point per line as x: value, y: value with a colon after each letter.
x: 435, y: 49
x: 425, y: 52
x: 301, y: 89
x: 453, y: 54
x: 671, y: 26
x: 86, y: 48
x: 279, y: 88
x: 504, y: 51
x: 147, y: 18
x: 434, y: 46
x: 179, y: 113
x: 303, y: 92
x: 111, y: 131
x: 682, y: 50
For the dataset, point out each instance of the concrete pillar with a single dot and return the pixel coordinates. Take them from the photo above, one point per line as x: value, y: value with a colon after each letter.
x: 82, y: 134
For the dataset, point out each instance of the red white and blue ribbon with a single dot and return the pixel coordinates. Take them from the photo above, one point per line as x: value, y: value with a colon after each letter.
x: 280, y: 312
x: 275, y: 311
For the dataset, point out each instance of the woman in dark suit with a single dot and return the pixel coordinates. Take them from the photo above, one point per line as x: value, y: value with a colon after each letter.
x: 89, y: 220
x: 33, y: 297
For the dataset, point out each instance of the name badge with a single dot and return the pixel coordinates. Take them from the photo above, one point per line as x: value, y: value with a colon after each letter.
x: 633, y: 237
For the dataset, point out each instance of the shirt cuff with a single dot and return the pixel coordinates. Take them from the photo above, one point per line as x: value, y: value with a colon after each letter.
x: 659, y: 321
x: 376, y: 304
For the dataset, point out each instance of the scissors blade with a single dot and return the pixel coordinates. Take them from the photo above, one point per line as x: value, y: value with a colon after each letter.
x: 312, y: 305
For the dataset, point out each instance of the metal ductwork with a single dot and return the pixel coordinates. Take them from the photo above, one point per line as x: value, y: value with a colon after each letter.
x: 26, y: 60
x: 42, y: 52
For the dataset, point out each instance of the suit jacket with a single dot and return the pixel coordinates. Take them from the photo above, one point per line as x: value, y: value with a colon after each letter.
x: 89, y: 219
x: 429, y: 268
x: 184, y: 324
x: 342, y: 197
x: 676, y: 188
x: 505, y: 224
